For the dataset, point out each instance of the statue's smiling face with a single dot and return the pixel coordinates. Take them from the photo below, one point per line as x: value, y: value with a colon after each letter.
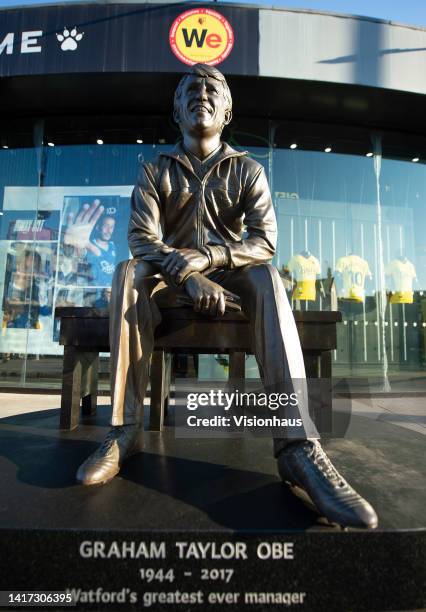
x: 203, y: 106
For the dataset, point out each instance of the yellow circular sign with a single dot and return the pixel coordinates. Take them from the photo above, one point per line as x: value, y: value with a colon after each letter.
x: 201, y: 36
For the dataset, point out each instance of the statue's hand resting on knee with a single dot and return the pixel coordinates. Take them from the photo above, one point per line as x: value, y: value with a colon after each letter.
x: 208, y: 297
x: 182, y: 262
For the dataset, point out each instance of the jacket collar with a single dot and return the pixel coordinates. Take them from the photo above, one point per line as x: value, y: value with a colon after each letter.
x: 178, y: 153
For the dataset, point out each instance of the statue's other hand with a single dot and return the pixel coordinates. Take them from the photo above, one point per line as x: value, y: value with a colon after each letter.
x: 182, y: 262
x: 208, y: 297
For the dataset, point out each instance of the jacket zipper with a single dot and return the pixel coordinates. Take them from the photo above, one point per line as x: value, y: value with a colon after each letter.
x: 200, y: 214
x: 200, y: 211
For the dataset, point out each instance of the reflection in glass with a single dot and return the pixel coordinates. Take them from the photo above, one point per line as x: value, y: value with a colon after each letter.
x: 351, y: 236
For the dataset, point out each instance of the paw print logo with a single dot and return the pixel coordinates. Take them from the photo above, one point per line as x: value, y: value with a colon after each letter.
x: 69, y: 40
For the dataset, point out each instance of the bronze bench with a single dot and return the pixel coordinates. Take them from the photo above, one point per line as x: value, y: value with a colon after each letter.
x: 84, y: 334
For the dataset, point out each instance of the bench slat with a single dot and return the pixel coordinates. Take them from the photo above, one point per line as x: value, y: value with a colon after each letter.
x: 307, y: 316
x: 196, y: 334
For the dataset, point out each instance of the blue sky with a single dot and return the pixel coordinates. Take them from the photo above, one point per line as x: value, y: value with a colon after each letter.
x: 405, y: 11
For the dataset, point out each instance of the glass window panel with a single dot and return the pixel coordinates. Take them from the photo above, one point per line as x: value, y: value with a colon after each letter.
x: 336, y: 222
x: 344, y: 219
x: 24, y: 296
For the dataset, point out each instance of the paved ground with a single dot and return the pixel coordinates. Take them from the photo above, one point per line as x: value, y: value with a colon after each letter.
x: 406, y: 412
x: 184, y: 483
x: 12, y: 404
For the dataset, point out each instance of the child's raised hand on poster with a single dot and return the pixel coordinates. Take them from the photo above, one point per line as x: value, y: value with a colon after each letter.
x: 77, y: 232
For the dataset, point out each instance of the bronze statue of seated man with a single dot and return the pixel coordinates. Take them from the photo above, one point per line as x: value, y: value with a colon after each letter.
x: 202, y: 194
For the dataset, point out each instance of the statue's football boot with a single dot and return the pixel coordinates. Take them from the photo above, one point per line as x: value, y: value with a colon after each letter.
x: 105, y: 463
x: 305, y: 467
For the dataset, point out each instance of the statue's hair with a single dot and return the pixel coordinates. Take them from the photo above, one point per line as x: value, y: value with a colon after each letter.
x: 206, y: 71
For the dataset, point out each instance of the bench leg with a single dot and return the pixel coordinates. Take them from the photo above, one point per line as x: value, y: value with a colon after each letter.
x: 318, y: 366
x: 325, y: 364
x: 237, y: 372
x: 71, y: 388
x: 90, y: 369
x: 158, y: 390
x: 326, y: 425
x: 167, y: 381
x: 312, y: 361
x: 237, y: 365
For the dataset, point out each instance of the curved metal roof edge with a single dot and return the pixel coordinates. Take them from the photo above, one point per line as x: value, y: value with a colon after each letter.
x: 239, y: 4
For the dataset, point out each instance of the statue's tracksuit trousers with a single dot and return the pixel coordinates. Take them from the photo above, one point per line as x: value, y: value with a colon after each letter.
x: 134, y: 314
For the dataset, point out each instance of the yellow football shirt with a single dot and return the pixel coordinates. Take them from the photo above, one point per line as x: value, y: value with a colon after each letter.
x: 353, y: 269
x: 402, y: 273
x: 304, y: 270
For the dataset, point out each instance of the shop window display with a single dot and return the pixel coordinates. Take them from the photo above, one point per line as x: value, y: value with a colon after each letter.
x: 334, y: 249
